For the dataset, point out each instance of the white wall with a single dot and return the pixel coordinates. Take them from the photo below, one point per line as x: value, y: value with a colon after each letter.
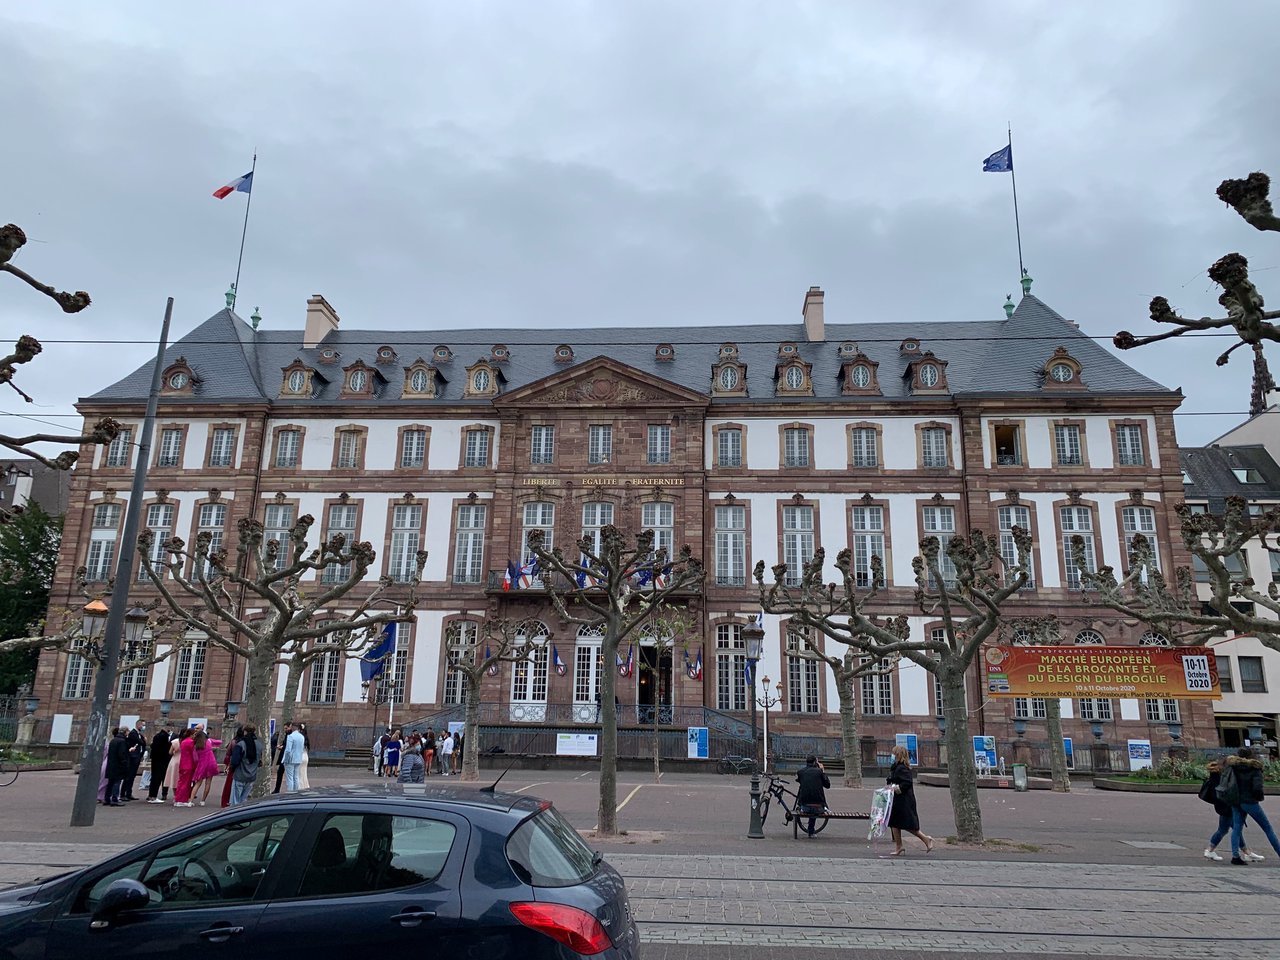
x: 830, y: 440
x: 381, y: 451
x: 1037, y: 440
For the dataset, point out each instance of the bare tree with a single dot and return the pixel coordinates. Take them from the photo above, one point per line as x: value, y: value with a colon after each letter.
x: 27, y: 348
x: 281, y: 611
x: 966, y: 595
x: 1044, y: 631
x: 600, y: 589
x: 1246, y: 312
x: 668, y: 627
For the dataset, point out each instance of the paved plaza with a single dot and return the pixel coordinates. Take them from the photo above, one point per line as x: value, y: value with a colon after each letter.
x: 1089, y: 874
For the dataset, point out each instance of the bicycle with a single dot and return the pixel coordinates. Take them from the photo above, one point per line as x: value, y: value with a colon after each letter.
x: 8, y: 770
x: 735, y: 764
x: 776, y: 790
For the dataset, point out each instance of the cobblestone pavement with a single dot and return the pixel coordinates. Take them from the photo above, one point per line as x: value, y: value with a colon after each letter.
x: 704, y: 907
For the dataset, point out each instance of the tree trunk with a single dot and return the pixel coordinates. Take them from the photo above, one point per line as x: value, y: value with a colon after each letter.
x: 292, y: 680
x: 961, y: 775
x: 849, y: 732
x: 607, y: 815
x: 657, y: 742
x: 257, y: 710
x: 471, y: 728
x: 1057, y: 749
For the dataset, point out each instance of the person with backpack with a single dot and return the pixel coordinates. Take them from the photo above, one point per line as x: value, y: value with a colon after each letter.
x: 243, y: 764
x: 1209, y: 794
x: 1245, y: 773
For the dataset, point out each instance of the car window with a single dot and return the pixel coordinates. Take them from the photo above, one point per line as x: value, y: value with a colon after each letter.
x: 547, y: 852
x: 224, y: 864
x: 358, y: 853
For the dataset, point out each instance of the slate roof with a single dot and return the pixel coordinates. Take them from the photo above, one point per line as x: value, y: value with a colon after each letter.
x: 1211, y: 470
x: 984, y: 358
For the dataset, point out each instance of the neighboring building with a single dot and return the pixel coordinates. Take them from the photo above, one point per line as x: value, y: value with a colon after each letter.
x: 1262, y: 428
x: 1249, y: 671
x: 746, y: 442
x: 23, y: 480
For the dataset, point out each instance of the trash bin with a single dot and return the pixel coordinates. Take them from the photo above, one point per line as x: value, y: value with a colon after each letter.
x: 1020, y: 777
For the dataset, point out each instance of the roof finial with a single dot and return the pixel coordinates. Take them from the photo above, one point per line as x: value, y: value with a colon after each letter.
x: 231, y: 296
x: 1009, y: 307
x: 1026, y: 283
x: 256, y: 318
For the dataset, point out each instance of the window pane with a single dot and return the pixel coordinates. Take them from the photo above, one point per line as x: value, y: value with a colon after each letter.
x: 729, y: 448
x: 359, y: 853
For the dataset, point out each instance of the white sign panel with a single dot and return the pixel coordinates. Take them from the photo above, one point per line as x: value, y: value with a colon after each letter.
x: 576, y: 744
x: 1139, y: 755
x: 60, y: 732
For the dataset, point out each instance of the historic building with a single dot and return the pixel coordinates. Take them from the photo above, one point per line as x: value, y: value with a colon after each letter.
x: 748, y: 442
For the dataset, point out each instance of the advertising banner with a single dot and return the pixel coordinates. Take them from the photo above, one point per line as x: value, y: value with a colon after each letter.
x: 1185, y: 673
x: 984, y: 755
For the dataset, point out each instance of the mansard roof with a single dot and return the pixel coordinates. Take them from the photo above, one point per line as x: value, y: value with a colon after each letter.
x: 986, y: 358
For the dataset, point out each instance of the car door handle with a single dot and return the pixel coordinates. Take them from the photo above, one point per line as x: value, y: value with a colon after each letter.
x: 220, y: 933
x: 412, y: 916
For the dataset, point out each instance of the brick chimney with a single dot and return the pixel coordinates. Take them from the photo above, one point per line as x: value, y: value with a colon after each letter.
x: 322, y: 320
x: 813, y: 326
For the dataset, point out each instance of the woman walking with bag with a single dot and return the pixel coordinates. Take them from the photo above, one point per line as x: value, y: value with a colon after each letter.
x: 1209, y: 794
x: 904, y: 815
x: 1247, y: 773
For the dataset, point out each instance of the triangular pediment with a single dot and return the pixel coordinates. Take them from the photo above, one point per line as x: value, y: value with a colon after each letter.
x: 601, y: 382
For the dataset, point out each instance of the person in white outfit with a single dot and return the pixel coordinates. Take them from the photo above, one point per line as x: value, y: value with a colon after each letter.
x: 303, y: 782
x: 294, y: 747
x: 446, y: 753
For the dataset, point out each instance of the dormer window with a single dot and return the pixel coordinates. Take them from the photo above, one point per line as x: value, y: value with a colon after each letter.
x: 860, y: 377
x: 179, y: 378
x: 501, y: 353
x: 328, y: 355
x: 793, y: 378
x: 665, y: 352
x: 728, y: 378
x: 848, y: 349
x: 909, y: 345
x: 928, y: 375
x: 297, y: 381
x: 419, y: 381
x: 482, y: 380
x: 1061, y: 370
x: 386, y: 355
x: 442, y: 353
x: 564, y: 353
x: 728, y: 351
x: 358, y: 382
x: 786, y: 349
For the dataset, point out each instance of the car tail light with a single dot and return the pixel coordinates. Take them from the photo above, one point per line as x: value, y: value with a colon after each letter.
x: 576, y: 929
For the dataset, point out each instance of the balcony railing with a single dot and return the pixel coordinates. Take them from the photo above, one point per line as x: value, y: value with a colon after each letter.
x: 538, y: 585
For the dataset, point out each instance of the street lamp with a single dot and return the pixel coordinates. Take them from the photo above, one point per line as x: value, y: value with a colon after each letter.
x: 767, y: 703
x: 753, y: 636
x: 93, y: 621
x: 135, y: 623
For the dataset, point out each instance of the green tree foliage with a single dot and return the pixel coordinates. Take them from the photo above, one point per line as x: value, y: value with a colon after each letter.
x: 29, y: 539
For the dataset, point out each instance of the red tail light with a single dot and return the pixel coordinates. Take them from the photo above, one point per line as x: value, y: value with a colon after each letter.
x: 576, y: 929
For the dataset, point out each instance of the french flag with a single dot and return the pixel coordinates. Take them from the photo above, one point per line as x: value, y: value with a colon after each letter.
x: 238, y: 185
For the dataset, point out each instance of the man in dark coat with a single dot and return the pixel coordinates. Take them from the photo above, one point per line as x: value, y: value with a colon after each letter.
x: 157, y: 793
x: 137, y: 739
x: 811, y: 797
x: 117, y: 767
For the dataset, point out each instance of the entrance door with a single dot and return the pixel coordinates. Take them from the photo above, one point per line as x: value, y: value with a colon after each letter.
x: 653, y: 685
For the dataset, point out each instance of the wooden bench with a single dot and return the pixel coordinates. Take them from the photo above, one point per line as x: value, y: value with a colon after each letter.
x: 829, y: 815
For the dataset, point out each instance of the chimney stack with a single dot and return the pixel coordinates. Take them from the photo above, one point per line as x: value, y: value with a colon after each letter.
x: 813, y: 326
x: 322, y: 320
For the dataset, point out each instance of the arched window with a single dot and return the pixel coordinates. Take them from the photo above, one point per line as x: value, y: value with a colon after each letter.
x: 1090, y: 637
x: 529, y: 675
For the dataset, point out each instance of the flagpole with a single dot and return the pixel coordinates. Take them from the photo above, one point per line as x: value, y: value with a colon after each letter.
x: 235, y: 287
x: 1017, y: 226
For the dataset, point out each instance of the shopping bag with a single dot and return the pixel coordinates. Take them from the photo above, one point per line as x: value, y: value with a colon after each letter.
x: 146, y: 779
x: 881, y: 807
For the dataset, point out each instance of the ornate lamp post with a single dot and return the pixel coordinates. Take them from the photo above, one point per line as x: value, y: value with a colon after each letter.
x: 767, y: 703
x: 753, y: 635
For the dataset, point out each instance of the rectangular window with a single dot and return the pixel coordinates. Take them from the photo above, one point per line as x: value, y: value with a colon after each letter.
x: 477, y: 454
x: 1029, y: 708
x: 933, y: 447
x: 729, y: 448
x: 1141, y: 520
x: 1008, y: 444
x: 659, y: 443
x: 862, y: 443
x: 288, y: 442
x: 120, y: 450
x: 940, y: 522
x: 413, y: 449
x: 212, y: 519
x: 468, y: 551
x: 529, y: 677
x: 867, y: 541
x: 599, y: 443
x: 170, y: 454
x: 802, y: 675
x: 661, y: 519
x: 348, y: 450
x: 731, y: 546
x: 455, y: 680
x: 79, y: 678
x: 1225, y: 682
x: 342, y: 520
x: 538, y: 516
x: 1076, y: 522
x: 399, y: 679
x: 222, y: 447
x: 1129, y: 445
x: 1163, y: 710
x: 596, y: 516
x: 188, y: 674
x: 877, y: 692
x: 406, y: 527
x: 1094, y: 709
x: 102, y: 542
x: 160, y: 523
x: 588, y: 664
x: 795, y: 447
x: 276, y: 524
x: 797, y: 541
x: 1066, y: 445
x: 324, y: 678
x: 542, y: 445
x: 1010, y: 517
x: 731, y: 665
x: 1252, y: 679
x: 1274, y: 557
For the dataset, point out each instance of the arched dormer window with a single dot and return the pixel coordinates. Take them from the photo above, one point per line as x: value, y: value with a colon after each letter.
x: 483, y: 380
x: 358, y: 380
x: 419, y: 380
x: 1062, y: 371
x: 927, y: 374
x: 728, y: 377
x: 564, y: 353
x: 386, y: 354
x: 664, y: 353
x: 298, y: 380
x: 500, y: 353
x: 179, y: 378
x: 792, y: 378
x: 442, y: 354
x: 859, y: 375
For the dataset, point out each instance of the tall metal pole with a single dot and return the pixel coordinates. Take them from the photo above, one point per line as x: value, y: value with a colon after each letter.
x: 1017, y: 225
x: 755, y: 829
x: 86, y: 798
x: 235, y: 287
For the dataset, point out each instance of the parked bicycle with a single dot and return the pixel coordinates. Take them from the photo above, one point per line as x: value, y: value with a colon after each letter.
x: 775, y: 790
x: 8, y: 769
x: 735, y: 764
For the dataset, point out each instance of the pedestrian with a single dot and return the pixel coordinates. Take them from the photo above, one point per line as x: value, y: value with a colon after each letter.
x: 457, y: 752
x: 429, y: 747
x: 304, y: 782
x: 412, y: 769
x: 394, y: 746
x: 244, y: 764
x: 186, y: 769
x: 226, y: 762
x: 294, y: 746
x: 171, y: 771
x: 158, y: 792
x: 811, y: 796
x: 903, y: 815
x: 446, y: 753
x: 137, y: 739
x: 203, y: 746
x: 118, y: 764
x: 1248, y: 777
x: 277, y: 755
x: 1209, y: 794
x: 378, y: 746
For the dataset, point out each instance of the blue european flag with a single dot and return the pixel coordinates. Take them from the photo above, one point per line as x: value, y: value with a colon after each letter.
x: 375, y: 660
x: 999, y: 162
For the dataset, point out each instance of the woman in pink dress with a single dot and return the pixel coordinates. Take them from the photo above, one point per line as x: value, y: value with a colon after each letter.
x: 186, y: 769
x: 206, y: 763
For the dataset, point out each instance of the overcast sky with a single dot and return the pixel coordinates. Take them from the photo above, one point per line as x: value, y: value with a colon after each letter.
x: 629, y: 163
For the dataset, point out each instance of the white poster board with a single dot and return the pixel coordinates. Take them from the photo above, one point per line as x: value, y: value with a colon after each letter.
x: 128, y: 720
x: 60, y: 732
x: 699, y: 743
x: 1139, y: 755
x: 200, y: 721
x: 576, y: 744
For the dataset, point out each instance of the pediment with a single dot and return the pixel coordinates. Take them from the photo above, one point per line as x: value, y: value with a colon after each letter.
x: 601, y: 382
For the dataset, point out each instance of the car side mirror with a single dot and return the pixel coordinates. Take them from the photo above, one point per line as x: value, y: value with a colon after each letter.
x: 122, y: 895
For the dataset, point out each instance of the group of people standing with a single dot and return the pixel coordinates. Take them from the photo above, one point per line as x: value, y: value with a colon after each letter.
x: 411, y: 758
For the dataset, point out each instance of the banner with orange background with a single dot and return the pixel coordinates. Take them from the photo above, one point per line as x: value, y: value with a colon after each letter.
x: 1181, y: 673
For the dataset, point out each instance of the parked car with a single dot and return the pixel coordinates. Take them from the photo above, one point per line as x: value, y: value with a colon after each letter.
x: 387, y: 870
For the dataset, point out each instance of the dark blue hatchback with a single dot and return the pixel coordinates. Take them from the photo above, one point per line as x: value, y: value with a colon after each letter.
x: 386, y: 869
